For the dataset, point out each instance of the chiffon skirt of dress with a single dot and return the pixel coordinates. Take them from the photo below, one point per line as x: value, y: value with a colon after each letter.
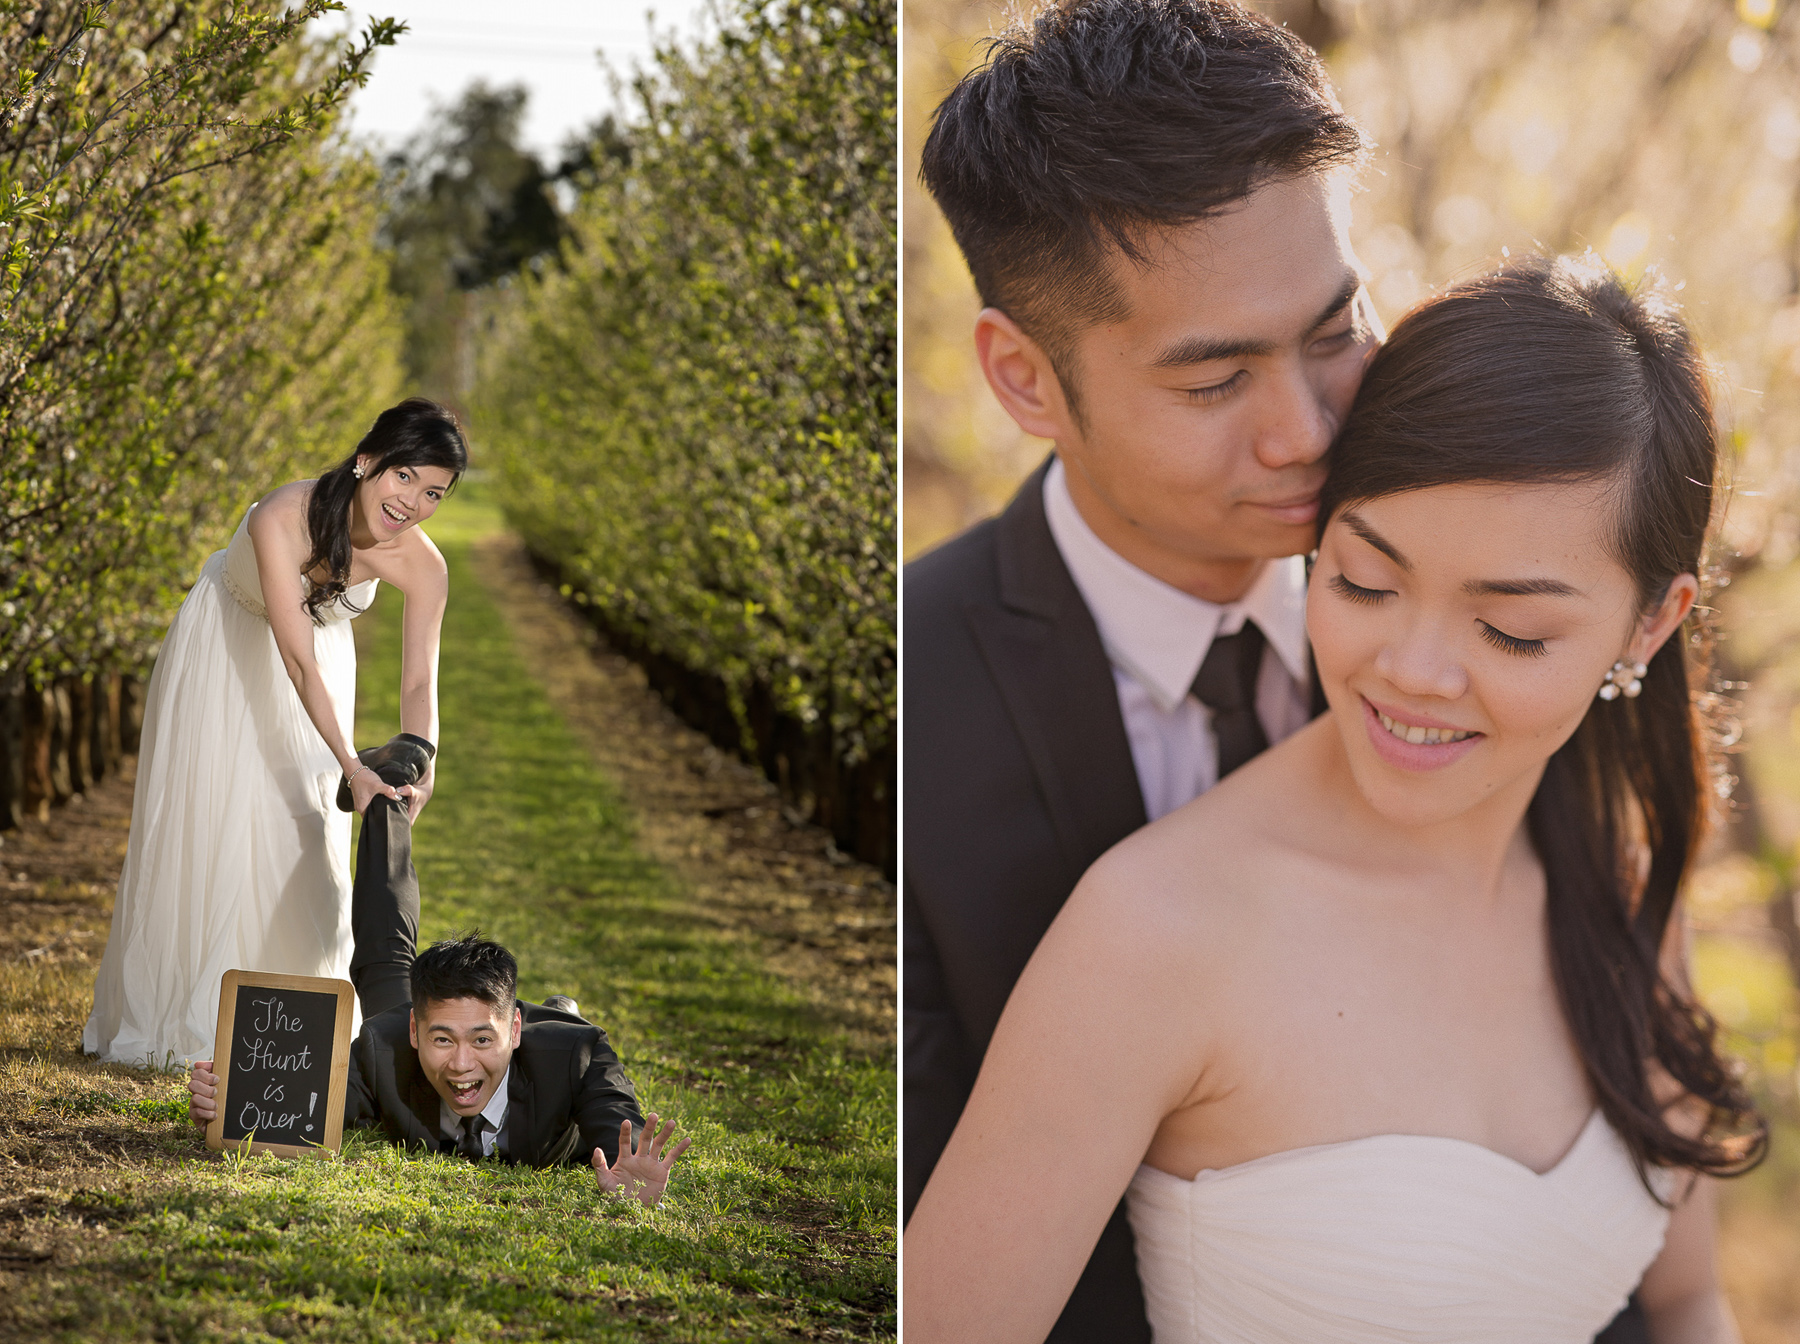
x: 238, y: 857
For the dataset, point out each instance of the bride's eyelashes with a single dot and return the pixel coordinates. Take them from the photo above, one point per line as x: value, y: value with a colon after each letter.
x: 1355, y: 592
x: 1523, y: 648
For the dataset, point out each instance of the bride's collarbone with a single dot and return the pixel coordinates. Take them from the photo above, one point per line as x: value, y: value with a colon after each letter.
x: 390, y: 566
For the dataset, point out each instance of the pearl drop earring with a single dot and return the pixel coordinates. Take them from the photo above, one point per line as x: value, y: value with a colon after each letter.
x: 1625, y: 679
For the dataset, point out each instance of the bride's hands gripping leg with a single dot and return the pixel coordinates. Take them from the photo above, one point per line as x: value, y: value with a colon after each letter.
x: 366, y: 786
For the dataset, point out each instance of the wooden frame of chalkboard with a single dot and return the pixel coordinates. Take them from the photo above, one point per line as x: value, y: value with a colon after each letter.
x: 281, y: 1031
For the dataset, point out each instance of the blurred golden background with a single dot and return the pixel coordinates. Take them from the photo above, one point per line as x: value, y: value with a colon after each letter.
x: 1661, y: 133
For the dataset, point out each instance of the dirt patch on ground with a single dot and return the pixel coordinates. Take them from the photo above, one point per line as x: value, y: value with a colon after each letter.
x: 72, y: 1142
x: 57, y: 877
x: 713, y: 819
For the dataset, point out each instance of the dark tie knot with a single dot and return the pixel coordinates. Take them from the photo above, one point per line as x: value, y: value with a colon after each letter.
x: 1226, y: 684
x: 473, y: 1127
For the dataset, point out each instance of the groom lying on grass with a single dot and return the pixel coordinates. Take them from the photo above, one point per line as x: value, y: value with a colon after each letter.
x: 450, y: 1060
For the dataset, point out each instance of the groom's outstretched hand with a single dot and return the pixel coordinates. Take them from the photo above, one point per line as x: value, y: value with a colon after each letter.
x: 203, y: 1089
x: 643, y: 1174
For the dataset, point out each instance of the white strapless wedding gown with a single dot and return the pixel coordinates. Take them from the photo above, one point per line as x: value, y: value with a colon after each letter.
x: 1397, y: 1238
x: 238, y: 857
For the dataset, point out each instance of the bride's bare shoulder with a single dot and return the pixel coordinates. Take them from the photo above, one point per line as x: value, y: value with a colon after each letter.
x: 283, y: 511
x: 1217, y: 857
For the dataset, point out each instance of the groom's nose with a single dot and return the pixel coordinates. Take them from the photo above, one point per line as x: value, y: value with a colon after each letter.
x: 1297, y: 424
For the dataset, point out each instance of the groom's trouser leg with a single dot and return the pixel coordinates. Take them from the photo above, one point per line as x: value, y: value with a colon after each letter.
x: 384, y: 909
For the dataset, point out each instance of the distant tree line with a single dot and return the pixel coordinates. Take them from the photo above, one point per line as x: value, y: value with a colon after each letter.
x: 192, y: 307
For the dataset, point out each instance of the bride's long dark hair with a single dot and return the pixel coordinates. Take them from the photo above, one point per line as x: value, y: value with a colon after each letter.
x: 1555, y: 371
x: 416, y: 433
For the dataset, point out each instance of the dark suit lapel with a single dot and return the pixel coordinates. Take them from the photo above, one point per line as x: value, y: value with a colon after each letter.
x: 424, y: 1102
x: 521, y: 1143
x: 1044, y: 652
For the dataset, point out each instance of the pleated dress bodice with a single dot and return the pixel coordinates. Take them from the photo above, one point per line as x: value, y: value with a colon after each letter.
x: 1397, y: 1238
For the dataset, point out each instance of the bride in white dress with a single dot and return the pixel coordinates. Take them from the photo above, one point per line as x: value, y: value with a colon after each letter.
x: 1388, y: 1037
x: 238, y: 857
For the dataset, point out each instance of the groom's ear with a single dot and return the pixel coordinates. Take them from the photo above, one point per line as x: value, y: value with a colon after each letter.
x: 1021, y: 375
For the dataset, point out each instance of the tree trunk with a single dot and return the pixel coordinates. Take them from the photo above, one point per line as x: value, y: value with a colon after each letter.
x: 82, y: 775
x: 62, y: 786
x: 106, y: 724
x: 39, y: 713
x: 131, y: 714
x: 12, y: 759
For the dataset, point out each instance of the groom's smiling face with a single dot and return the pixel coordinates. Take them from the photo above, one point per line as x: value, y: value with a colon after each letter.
x: 465, y: 1046
x: 1196, y: 438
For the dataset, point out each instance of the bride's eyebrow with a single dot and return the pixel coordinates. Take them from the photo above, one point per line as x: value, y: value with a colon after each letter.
x: 1520, y: 588
x: 1357, y: 524
x: 1474, y: 587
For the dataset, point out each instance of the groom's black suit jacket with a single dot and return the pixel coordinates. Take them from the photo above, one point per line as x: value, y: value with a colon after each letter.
x: 1018, y: 776
x: 566, y: 1094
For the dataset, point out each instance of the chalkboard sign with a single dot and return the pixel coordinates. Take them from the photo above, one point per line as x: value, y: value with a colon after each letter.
x: 282, y: 1056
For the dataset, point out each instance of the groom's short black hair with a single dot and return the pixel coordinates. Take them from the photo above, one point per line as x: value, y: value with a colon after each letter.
x: 1101, y: 119
x: 467, y: 966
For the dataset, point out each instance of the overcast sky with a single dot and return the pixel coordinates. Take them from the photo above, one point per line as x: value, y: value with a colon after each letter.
x: 550, y: 46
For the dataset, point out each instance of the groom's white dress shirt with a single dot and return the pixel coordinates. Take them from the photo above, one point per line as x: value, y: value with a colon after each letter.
x: 1156, y: 638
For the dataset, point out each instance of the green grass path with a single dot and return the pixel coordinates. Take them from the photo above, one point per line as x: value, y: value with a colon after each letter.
x: 779, y: 1222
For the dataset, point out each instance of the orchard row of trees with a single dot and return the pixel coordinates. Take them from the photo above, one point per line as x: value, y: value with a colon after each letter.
x: 192, y: 305
x: 675, y: 349
x: 690, y: 412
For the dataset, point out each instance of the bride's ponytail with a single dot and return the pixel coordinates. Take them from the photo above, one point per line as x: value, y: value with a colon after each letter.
x: 1555, y: 372
x: 416, y: 433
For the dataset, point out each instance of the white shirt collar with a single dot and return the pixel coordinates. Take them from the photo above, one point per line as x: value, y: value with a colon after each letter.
x: 1158, y: 634
x: 450, y: 1123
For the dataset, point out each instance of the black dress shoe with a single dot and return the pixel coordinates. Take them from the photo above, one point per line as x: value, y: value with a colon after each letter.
x: 402, y: 759
x: 563, y: 1004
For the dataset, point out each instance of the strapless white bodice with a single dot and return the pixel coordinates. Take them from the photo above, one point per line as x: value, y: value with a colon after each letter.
x: 244, y: 581
x: 1397, y: 1238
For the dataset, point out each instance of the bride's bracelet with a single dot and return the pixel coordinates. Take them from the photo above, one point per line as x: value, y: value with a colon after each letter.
x: 356, y: 772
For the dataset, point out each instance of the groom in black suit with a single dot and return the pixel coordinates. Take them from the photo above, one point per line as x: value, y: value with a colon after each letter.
x: 1131, y: 628
x: 450, y: 1060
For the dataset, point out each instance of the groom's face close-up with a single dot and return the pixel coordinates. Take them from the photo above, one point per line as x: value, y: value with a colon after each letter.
x: 465, y: 1046
x: 1194, y: 424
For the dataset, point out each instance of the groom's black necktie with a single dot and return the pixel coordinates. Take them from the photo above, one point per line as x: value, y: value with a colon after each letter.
x: 1226, y: 684
x: 469, y: 1145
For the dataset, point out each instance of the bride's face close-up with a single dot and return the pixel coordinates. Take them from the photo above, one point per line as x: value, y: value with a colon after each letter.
x: 1461, y: 633
x: 401, y: 497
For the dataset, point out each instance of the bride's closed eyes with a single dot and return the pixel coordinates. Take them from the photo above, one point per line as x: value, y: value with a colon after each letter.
x: 1369, y: 597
